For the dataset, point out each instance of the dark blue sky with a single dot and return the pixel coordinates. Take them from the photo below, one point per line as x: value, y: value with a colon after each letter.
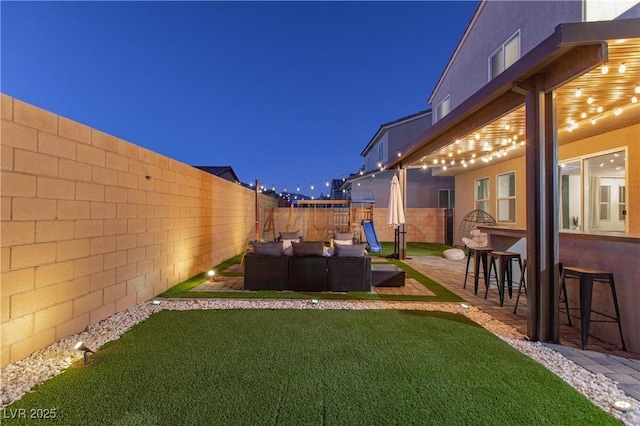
x: 285, y: 92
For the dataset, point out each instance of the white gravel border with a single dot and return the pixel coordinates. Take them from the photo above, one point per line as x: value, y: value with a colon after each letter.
x: 19, y: 378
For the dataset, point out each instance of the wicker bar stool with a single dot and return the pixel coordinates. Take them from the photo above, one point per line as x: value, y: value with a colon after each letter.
x: 480, y: 256
x: 586, y: 277
x: 503, y: 270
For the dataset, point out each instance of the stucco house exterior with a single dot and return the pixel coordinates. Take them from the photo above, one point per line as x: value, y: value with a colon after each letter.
x: 426, y: 191
x: 537, y: 118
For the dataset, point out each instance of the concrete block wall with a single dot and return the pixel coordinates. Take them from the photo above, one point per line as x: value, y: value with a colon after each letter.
x: 92, y: 224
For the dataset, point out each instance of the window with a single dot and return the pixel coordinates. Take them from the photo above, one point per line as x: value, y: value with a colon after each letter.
x: 505, y: 56
x: 593, y: 192
x: 381, y: 157
x: 507, y: 197
x: 482, y: 194
x: 622, y: 203
x: 442, y: 108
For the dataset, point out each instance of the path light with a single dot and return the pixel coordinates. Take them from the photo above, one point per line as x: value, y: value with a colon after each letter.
x: 464, y: 305
x: 211, y: 274
x: 82, y: 347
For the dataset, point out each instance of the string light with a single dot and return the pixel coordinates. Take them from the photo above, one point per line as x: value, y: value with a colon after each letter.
x: 590, y: 100
x: 578, y: 93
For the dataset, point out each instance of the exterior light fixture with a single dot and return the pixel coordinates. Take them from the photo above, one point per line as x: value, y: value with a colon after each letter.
x: 211, y: 273
x: 424, y: 166
x: 622, y: 68
x: 618, y: 111
x: 605, y: 69
x: 637, y: 90
x: 326, y: 183
x: 435, y: 161
x: 399, y: 154
x: 312, y: 186
x: 583, y: 115
x: 82, y: 347
x: 599, y: 109
x: 578, y: 93
x: 634, y: 99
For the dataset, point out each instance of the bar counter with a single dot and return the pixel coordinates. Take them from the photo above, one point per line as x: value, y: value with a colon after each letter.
x: 614, y: 252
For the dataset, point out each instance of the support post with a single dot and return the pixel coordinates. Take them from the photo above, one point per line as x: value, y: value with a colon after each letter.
x: 402, y: 241
x: 257, y: 231
x: 541, y: 157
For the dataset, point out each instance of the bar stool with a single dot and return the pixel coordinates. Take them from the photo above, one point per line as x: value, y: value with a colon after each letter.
x: 523, y: 284
x: 504, y: 270
x: 480, y: 255
x: 586, y: 278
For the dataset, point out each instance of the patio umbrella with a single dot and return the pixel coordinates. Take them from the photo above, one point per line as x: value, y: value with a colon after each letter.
x: 395, y: 213
x: 395, y: 209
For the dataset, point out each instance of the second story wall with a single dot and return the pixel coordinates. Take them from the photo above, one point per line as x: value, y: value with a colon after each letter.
x: 494, y: 23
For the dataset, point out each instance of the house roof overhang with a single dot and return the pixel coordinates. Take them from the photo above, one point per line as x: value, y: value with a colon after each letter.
x: 572, y: 50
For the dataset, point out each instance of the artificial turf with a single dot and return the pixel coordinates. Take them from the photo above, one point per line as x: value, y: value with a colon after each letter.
x: 307, y: 367
x: 441, y: 294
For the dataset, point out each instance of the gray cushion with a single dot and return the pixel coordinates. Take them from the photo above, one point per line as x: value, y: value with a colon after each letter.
x: 290, y: 235
x: 343, y: 236
x: 355, y: 250
x: 271, y: 248
x: 308, y: 248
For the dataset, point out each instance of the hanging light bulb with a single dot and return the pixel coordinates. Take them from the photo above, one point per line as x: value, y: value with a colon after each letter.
x: 618, y: 111
x: 312, y: 186
x: 622, y: 68
x: 605, y: 69
x: 477, y: 136
x: 599, y: 109
x: 424, y: 166
x: 578, y: 92
x: 634, y: 99
x: 590, y: 100
x: 637, y: 89
x: 435, y: 161
x: 326, y: 183
x: 583, y: 115
x: 399, y: 155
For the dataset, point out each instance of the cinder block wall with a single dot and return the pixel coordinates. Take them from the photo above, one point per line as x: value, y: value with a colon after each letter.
x: 92, y: 224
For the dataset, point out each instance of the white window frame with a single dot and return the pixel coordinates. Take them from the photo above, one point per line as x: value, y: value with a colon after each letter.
x: 502, y: 52
x: 481, y: 203
x: 509, y: 198
x: 443, y: 108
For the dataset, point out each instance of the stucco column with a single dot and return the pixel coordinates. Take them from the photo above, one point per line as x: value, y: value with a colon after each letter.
x: 542, y: 213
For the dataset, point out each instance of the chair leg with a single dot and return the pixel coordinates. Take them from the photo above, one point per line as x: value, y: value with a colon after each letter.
x: 492, y: 266
x: 522, y: 283
x: 467, y: 272
x: 566, y: 299
x: 615, y: 304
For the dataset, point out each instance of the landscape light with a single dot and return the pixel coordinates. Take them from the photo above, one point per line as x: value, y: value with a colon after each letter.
x: 211, y: 274
x: 80, y: 346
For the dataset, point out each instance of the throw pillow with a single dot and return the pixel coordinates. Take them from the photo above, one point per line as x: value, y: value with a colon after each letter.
x: 355, y: 250
x: 271, y: 248
x: 343, y: 236
x: 308, y: 248
x: 289, y: 235
x: 287, y: 243
x: 343, y: 242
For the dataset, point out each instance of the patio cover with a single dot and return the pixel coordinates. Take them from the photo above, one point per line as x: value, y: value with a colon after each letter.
x: 572, y: 50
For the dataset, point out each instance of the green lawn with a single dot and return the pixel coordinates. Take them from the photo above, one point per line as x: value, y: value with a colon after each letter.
x: 441, y: 294
x: 297, y: 367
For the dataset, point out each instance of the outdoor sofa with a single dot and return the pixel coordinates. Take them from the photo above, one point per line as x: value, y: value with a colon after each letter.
x: 309, y: 266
